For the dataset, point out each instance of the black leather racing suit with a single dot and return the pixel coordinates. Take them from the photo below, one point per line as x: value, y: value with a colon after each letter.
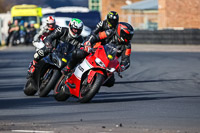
x: 62, y: 34
x: 102, y: 26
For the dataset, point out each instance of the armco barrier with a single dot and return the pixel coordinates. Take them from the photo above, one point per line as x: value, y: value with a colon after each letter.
x: 187, y: 36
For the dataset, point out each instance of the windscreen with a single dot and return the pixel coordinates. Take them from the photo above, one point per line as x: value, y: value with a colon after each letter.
x: 111, y: 51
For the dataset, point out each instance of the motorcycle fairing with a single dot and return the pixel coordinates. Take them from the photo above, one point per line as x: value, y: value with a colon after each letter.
x: 74, y: 81
x: 87, y: 64
x: 82, y: 68
x: 101, y: 54
x: 76, y: 77
x: 92, y: 73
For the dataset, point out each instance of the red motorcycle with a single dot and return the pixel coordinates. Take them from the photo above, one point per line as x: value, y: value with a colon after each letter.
x: 88, y: 76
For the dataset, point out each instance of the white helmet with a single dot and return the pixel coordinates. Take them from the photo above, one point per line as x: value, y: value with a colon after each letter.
x: 75, y: 27
x: 50, y: 21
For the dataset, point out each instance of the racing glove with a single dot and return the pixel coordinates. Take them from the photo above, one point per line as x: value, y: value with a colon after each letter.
x: 120, y: 68
x: 48, y: 47
x: 87, y: 46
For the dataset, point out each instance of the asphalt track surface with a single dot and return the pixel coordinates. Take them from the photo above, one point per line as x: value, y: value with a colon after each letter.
x: 159, y: 93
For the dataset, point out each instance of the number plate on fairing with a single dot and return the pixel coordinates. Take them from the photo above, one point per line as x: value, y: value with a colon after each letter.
x: 84, y: 66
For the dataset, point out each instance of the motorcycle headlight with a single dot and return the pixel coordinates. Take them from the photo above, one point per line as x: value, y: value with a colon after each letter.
x: 58, y: 63
x: 99, y: 62
x: 110, y: 69
x: 56, y: 60
x: 110, y: 57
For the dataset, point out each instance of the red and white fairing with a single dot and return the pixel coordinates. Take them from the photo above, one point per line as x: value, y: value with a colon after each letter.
x: 97, y: 62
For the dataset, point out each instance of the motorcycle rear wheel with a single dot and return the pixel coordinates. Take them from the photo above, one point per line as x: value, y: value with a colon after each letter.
x: 30, y: 87
x: 91, y: 89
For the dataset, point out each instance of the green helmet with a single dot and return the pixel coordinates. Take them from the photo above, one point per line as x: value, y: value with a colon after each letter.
x: 75, y: 27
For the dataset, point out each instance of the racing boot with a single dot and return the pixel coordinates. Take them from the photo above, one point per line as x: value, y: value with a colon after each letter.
x: 31, y: 69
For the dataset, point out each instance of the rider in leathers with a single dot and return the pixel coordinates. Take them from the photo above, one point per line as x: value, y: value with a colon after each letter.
x: 46, y: 29
x: 121, y: 37
x: 43, y: 33
x: 69, y: 35
x: 109, y: 23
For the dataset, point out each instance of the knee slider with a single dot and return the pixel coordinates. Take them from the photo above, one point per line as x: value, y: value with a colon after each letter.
x: 36, y: 56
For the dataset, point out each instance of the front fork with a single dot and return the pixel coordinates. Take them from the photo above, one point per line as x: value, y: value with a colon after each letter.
x: 46, y: 75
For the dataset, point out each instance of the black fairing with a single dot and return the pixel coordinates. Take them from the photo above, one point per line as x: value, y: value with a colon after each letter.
x: 54, y: 59
x: 60, y: 56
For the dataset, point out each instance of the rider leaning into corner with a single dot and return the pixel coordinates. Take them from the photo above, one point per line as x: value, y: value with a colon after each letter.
x: 60, y: 34
x: 45, y: 30
x: 120, y: 36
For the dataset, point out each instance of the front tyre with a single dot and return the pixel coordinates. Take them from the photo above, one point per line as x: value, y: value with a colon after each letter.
x: 89, y: 91
x: 48, y: 81
x: 30, y: 87
x: 60, y: 90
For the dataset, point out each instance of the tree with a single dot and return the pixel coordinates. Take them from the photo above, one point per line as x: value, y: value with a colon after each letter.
x: 5, y: 6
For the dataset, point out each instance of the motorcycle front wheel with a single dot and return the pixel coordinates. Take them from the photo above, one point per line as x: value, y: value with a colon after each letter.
x: 48, y: 81
x: 88, y: 91
x: 60, y: 90
x: 30, y: 87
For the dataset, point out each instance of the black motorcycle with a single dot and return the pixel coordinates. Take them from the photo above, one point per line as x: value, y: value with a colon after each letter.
x: 48, y: 71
